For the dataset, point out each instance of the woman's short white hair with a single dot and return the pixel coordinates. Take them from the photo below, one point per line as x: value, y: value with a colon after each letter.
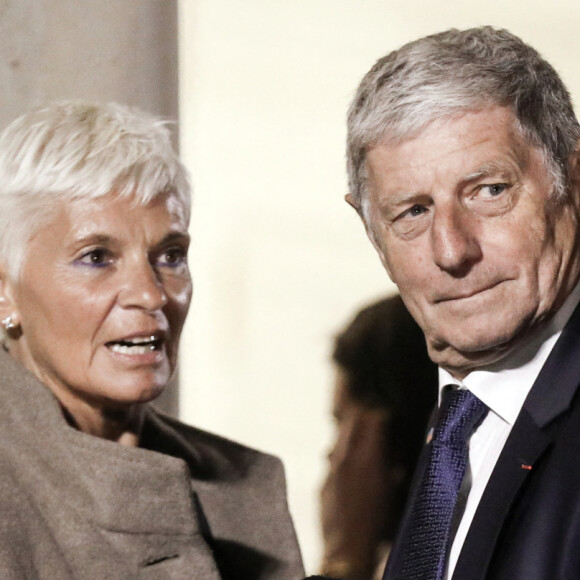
x: 76, y: 150
x: 450, y: 73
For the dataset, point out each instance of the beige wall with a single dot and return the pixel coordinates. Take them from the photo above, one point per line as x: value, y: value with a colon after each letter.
x: 102, y: 50
x: 279, y: 260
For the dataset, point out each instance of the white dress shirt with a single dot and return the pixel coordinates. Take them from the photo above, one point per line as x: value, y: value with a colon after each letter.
x: 503, y: 387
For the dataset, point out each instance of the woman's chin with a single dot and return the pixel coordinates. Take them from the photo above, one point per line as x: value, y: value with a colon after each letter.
x: 124, y: 391
x: 127, y: 385
x: 138, y: 394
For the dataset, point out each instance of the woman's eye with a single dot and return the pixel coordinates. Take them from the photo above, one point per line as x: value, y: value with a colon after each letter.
x: 173, y: 257
x: 98, y: 258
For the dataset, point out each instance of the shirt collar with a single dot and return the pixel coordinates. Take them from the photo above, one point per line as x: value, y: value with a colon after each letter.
x: 504, y: 386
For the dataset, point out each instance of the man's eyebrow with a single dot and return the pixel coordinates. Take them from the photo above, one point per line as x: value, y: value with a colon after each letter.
x: 486, y: 170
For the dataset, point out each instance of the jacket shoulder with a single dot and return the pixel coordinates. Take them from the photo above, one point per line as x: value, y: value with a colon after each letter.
x: 208, y: 455
x: 240, y: 494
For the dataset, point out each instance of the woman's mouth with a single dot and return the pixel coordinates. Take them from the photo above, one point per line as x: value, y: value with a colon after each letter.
x: 137, y: 345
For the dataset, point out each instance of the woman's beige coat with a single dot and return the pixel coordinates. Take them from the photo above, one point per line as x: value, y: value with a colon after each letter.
x: 187, y: 505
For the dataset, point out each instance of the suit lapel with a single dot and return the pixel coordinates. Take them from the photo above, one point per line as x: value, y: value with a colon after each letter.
x: 549, y: 397
x: 525, y: 444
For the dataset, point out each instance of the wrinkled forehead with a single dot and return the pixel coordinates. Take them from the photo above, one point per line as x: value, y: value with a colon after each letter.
x: 82, y: 208
x: 408, y: 129
x: 496, y: 124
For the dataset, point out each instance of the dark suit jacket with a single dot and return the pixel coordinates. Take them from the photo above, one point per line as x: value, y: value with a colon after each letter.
x: 527, y: 525
x: 187, y: 506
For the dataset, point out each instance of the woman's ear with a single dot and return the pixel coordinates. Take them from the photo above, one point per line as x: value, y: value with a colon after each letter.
x: 9, y: 318
x: 4, y: 294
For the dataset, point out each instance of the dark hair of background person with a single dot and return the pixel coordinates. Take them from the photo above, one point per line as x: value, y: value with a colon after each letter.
x: 384, y: 355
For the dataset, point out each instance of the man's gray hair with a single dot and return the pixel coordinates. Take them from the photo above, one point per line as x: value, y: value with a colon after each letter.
x: 453, y: 72
x: 75, y: 150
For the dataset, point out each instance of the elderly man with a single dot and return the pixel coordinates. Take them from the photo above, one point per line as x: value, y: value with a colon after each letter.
x: 463, y: 165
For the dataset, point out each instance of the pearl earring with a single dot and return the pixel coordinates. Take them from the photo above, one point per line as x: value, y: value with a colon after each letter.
x: 8, y: 323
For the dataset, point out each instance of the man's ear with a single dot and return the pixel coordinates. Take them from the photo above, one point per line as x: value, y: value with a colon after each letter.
x: 574, y: 166
x: 353, y: 203
x: 573, y: 178
x: 370, y: 233
x: 357, y: 206
x: 383, y: 257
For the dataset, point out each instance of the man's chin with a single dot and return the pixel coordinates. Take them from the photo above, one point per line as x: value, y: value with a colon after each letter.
x: 462, y: 357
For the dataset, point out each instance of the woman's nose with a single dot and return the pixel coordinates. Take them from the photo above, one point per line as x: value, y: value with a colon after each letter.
x: 143, y: 289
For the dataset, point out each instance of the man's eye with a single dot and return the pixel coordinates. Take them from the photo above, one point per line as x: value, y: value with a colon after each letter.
x: 412, y: 222
x: 98, y: 258
x: 494, y: 189
x: 414, y: 211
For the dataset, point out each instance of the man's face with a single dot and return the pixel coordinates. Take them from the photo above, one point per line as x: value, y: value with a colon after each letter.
x: 464, y: 222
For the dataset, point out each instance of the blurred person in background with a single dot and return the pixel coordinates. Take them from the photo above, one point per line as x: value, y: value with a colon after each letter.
x: 385, y: 389
x: 94, y: 290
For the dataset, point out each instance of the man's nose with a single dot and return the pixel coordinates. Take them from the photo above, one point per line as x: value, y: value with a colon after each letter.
x: 454, y: 240
x: 142, y: 288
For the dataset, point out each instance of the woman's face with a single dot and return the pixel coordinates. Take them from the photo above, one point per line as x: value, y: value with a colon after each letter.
x: 101, y: 301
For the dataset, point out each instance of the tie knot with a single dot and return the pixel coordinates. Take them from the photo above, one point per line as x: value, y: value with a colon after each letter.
x: 461, y: 412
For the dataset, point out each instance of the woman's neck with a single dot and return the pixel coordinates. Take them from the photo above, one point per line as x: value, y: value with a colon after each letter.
x: 121, y: 425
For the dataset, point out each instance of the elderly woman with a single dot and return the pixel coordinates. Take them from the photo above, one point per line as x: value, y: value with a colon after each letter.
x: 94, y: 291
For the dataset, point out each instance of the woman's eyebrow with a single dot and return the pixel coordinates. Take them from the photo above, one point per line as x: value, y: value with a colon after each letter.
x: 95, y: 238
x: 175, y: 236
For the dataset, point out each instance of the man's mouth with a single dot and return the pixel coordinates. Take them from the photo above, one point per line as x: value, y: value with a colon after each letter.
x: 451, y: 297
x: 136, y: 345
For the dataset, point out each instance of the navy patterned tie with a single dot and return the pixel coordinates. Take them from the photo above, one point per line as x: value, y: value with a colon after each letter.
x: 426, y: 540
